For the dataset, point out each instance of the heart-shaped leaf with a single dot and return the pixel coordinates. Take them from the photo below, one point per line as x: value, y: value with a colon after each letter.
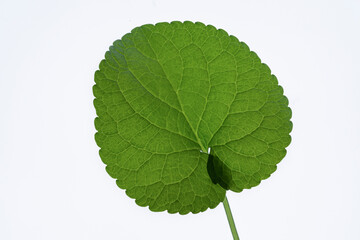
x: 168, y: 92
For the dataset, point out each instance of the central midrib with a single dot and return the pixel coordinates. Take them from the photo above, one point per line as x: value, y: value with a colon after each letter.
x: 176, y: 93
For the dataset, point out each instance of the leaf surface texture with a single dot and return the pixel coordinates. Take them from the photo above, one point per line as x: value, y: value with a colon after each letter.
x: 168, y: 92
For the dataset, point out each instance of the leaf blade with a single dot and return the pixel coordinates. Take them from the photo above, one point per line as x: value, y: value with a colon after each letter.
x: 165, y: 93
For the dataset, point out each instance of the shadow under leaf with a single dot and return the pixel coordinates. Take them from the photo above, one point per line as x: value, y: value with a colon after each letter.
x: 218, y: 171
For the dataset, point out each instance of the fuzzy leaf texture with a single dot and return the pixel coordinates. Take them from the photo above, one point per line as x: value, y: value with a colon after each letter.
x: 168, y: 92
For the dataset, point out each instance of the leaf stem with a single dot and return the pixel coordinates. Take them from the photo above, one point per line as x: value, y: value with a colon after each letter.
x: 230, y: 219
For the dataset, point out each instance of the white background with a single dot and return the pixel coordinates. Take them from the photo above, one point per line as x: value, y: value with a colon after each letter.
x: 53, y: 184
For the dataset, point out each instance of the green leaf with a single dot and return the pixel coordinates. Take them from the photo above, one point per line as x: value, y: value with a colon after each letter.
x: 168, y: 92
